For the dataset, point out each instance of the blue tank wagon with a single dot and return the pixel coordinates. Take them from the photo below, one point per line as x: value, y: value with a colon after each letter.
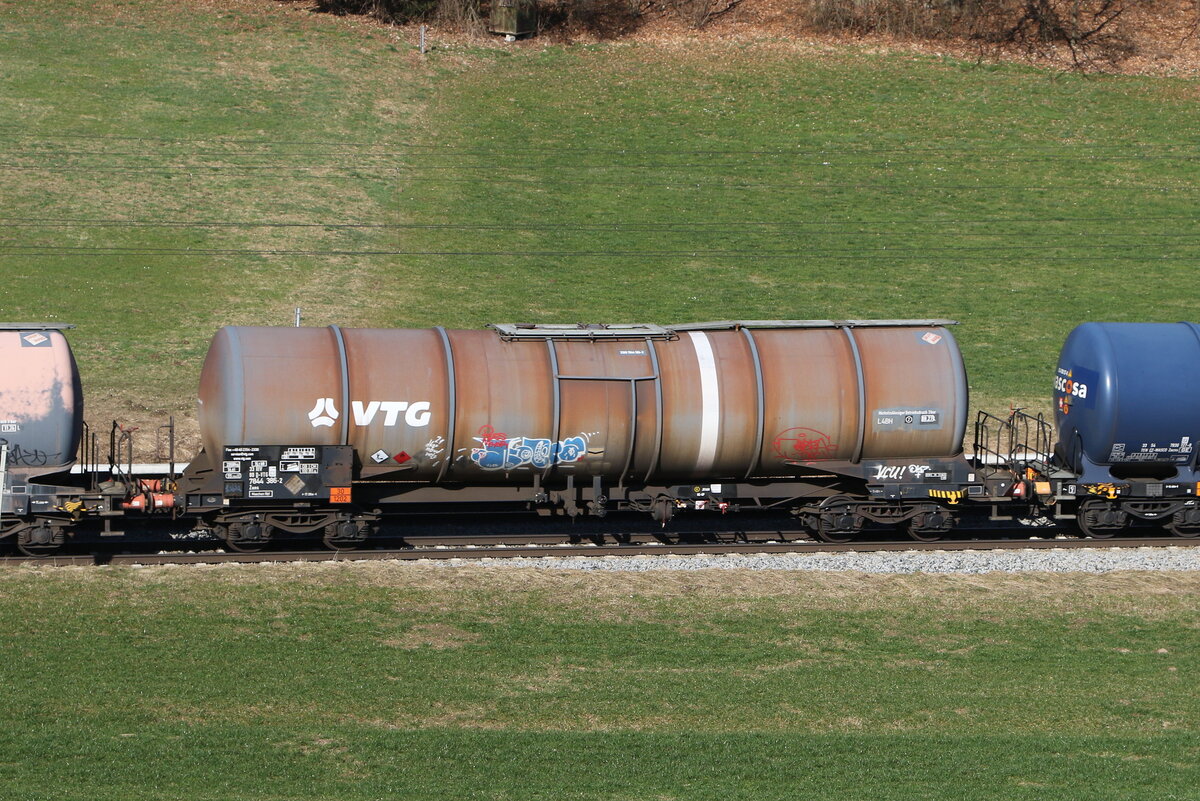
x: 1127, y: 421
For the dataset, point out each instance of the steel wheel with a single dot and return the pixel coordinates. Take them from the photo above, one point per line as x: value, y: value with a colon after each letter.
x: 1100, y: 519
x: 346, y: 535
x: 1184, y: 523
x: 930, y: 526
x: 837, y: 522
x: 922, y: 535
x: 41, y: 540
x: 247, y: 537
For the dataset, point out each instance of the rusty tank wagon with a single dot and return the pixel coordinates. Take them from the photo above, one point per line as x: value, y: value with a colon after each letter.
x: 583, y: 420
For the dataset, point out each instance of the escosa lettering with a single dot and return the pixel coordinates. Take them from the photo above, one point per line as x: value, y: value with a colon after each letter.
x: 1069, y: 386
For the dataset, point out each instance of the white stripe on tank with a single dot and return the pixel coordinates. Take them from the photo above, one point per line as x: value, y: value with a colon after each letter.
x: 710, y: 402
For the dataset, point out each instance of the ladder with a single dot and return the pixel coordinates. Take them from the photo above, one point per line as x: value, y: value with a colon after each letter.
x: 3, y: 475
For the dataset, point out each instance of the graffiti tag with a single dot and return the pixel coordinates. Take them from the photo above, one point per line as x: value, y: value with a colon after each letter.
x: 435, y: 446
x: 500, y: 452
x: 916, y: 472
x: 804, y: 445
x: 24, y: 457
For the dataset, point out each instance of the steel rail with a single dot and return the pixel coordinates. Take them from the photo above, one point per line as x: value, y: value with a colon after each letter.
x: 583, y: 550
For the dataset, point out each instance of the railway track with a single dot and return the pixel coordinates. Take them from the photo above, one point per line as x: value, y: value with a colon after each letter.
x: 534, y: 551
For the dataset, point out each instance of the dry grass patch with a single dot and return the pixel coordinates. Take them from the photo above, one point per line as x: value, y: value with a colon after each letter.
x: 445, y: 716
x: 636, y: 596
x: 438, y: 636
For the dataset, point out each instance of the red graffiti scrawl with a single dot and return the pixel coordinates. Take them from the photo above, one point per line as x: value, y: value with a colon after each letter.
x: 804, y: 445
x: 492, y: 438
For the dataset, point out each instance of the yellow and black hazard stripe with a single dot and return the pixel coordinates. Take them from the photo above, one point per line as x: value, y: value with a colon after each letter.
x: 949, y: 496
x: 74, y: 508
x: 1110, y: 491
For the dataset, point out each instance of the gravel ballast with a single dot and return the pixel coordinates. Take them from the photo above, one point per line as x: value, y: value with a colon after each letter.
x: 1067, y: 560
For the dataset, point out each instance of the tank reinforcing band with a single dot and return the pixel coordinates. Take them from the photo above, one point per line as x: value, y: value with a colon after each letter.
x: 761, y: 409
x: 36, y: 326
x: 633, y: 430
x: 344, y: 436
x: 556, y: 427
x: 658, y: 411
x: 862, y: 396
x: 451, y: 393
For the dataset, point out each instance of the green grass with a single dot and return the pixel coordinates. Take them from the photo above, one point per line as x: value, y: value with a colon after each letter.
x: 373, y: 681
x: 341, y: 763
x: 167, y: 170
x: 170, y: 168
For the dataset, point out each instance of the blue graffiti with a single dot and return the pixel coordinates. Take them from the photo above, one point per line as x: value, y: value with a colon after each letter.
x: 502, y: 453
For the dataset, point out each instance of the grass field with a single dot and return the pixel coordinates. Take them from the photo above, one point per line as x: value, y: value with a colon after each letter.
x: 170, y: 168
x: 435, y: 682
x: 167, y: 168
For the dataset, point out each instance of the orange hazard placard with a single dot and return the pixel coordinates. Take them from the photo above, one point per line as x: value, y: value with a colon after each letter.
x: 339, y: 495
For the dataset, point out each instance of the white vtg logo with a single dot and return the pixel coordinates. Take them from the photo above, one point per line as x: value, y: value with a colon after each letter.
x: 325, y: 412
